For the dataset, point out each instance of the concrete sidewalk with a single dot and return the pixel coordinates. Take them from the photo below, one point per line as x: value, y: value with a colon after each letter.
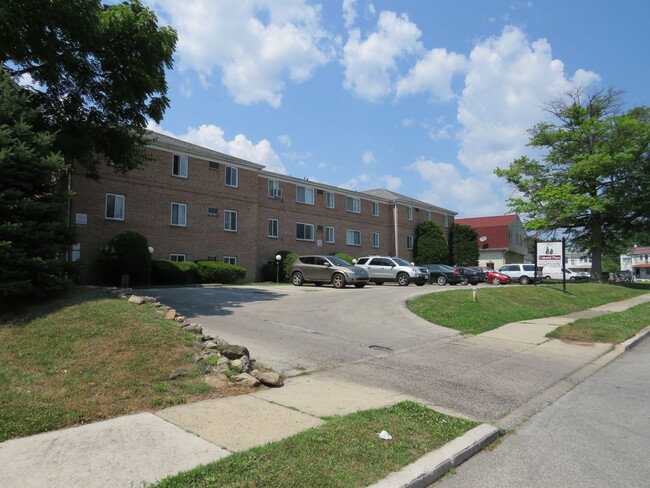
x: 137, y: 449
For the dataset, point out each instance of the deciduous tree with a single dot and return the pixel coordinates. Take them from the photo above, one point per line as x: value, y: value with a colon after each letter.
x: 430, y: 245
x: 464, y: 245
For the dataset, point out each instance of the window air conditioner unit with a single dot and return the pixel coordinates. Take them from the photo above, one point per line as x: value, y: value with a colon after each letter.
x: 277, y: 192
x: 214, y: 165
x: 319, y: 228
x: 319, y: 192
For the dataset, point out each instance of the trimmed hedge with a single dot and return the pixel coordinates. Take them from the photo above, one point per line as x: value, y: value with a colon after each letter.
x: 216, y: 272
x: 126, y: 253
x: 164, y: 272
x: 344, y: 256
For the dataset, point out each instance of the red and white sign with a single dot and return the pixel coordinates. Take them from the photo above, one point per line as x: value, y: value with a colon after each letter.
x: 549, y: 254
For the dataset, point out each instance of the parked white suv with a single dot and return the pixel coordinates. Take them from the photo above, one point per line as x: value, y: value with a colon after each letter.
x: 384, y: 268
x: 523, y: 273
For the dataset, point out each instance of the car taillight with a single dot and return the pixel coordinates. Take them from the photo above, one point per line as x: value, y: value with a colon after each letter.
x: 456, y: 271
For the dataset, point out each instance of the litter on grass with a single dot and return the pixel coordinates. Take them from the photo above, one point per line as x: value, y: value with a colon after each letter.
x: 385, y: 435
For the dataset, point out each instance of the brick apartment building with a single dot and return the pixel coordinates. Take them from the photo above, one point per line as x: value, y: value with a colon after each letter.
x: 193, y: 203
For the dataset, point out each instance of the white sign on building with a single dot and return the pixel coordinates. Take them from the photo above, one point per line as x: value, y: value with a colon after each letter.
x: 549, y: 254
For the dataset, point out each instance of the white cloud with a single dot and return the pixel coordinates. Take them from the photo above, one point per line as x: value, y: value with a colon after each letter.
x: 368, y: 158
x: 285, y: 140
x: 470, y: 196
x: 365, y: 181
x: 371, y: 64
x: 507, y: 83
x: 393, y: 183
x: 433, y: 73
x: 212, y: 137
x: 256, y: 44
x: 349, y: 12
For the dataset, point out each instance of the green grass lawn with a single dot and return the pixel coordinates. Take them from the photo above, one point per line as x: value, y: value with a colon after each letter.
x: 87, y: 357
x: 344, y: 452
x: 501, y: 305
x: 612, y: 327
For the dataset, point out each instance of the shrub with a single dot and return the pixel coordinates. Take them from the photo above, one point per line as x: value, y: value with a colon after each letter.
x: 344, y: 256
x: 127, y: 253
x: 215, y: 272
x: 165, y: 272
x: 287, y: 261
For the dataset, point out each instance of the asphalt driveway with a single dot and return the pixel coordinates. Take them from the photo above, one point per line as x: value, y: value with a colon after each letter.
x: 368, y: 336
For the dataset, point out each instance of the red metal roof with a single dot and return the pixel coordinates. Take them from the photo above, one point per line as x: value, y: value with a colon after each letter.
x: 633, y: 250
x: 495, y: 229
x: 498, y: 220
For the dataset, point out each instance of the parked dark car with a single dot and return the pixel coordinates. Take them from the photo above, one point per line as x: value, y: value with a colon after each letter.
x: 493, y: 276
x: 471, y: 275
x: 443, y: 274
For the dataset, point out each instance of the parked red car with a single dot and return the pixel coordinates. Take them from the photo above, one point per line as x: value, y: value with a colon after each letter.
x: 493, y: 276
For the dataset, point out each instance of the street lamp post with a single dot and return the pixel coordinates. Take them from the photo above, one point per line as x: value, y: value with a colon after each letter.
x: 278, y: 258
x: 150, y: 248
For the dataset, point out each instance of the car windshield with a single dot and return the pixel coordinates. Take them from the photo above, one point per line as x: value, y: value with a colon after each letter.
x: 401, y: 262
x: 338, y: 261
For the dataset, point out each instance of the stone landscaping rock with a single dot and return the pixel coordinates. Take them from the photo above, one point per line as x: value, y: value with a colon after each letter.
x: 210, y: 345
x: 198, y: 346
x: 243, y: 363
x: 171, y: 314
x: 193, y: 328
x: 136, y: 299
x: 270, y: 378
x: 150, y: 300
x: 205, y: 368
x: 218, y: 381
x: 245, y: 379
x: 222, y: 365
x: 180, y: 319
x: 179, y: 372
x: 233, y: 351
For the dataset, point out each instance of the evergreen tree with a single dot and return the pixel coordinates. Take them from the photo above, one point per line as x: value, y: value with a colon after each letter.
x: 430, y: 245
x: 34, y: 234
x: 464, y: 245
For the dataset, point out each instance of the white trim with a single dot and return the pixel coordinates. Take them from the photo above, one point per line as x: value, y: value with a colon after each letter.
x: 115, y: 200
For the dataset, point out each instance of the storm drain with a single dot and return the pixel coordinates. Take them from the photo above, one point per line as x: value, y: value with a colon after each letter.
x: 380, y: 348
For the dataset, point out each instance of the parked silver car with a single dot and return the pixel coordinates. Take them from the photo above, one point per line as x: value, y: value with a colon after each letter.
x: 327, y: 269
x: 386, y: 268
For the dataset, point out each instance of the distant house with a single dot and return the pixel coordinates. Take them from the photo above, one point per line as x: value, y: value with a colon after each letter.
x: 637, y: 260
x: 578, y: 261
x: 502, y: 239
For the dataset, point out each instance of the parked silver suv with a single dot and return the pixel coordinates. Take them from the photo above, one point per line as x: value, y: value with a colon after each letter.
x: 385, y: 268
x: 327, y: 269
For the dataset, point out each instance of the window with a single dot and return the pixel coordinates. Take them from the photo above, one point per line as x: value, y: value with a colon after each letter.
x: 329, y: 199
x: 179, y: 166
x: 114, y: 207
x: 274, y: 189
x: 232, y: 177
x: 177, y: 258
x: 304, y: 195
x: 230, y: 220
x: 375, y: 209
x: 445, y: 220
x: 329, y: 235
x: 427, y: 215
x: 353, y: 237
x: 409, y: 213
x: 212, y: 258
x: 230, y: 260
x: 273, y: 227
x: 179, y: 214
x: 213, y: 165
x: 353, y: 204
x: 409, y: 242
x: 213, y: 211
x: 304, y: 232
x: 375, y: 239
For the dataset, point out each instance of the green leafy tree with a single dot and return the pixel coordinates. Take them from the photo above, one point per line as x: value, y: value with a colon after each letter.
x: 464, y: 245
x: 34, y: 234
x: 593, y: 181
x: 97, y: 71
x: 430, y: 245
x: 126, y: 253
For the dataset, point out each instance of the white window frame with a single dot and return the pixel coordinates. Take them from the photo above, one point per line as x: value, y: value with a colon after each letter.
x: 356, y: 204
x: 329, y: 239
x: 227, y: 220
x: 116, y: 198
x: 274, y: 190
x: 305, y: 226
x: 375, y: 239
x: 428, y: 215
x: 352, y: 233
x: 184, y: 215
x: 230, y: 260
x: 183, y: 165
x: 445, y: 220
x: 232, y: 176
x: 177, y: 257
x: 409, y: 213
x: 409, y: 242
x: 330, y: 196
x: 375, y: 209
x: 307, y: 191
x: 273, y: 225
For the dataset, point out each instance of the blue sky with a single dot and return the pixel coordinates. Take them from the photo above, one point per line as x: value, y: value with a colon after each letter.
x: 423, y: 97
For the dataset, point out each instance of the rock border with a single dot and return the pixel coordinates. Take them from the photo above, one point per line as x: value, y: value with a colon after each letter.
x: 220, y: 362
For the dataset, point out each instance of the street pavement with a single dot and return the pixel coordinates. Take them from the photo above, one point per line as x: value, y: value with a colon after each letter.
x: 597, y: 435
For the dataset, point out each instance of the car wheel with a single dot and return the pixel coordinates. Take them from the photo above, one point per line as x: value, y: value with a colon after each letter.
x: 338, y: 280
x: 573, y: 278
x: 297, y: 278
x: 359, y: 285
x: 496, y: 281
x: 403, y: 279
x: 547, y: 277
x: 442, y: 280
x: 464, y: 282
x: 524, y: 280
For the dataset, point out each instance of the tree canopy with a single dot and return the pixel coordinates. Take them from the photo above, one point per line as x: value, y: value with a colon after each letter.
x: 463, y: 245
x: 430, y: 245
x: 593, y: 179
x: 97, y: 72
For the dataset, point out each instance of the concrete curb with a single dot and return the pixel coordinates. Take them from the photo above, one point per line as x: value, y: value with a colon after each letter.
x: 432, y: 466
x: 633, y: 341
